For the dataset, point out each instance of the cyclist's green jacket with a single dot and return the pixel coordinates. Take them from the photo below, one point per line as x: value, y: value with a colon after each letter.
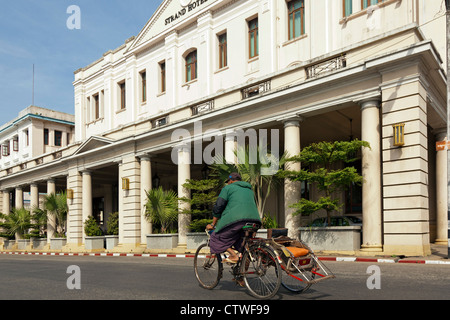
x: 236, y: 202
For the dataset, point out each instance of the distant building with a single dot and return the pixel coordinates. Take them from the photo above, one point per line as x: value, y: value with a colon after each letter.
x: 26, y: 140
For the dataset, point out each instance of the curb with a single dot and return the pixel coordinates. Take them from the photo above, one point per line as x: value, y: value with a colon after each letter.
x: 169, y: 255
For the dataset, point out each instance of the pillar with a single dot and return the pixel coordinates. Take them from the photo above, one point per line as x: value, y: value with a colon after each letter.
x: 292, y: 189
x: 441, y: 193
x: 51, y: 222
x: 371, y: 172
x: 230, y: 149
x: 19, y: 198
x: 34, y: 196
x: 146, y: 185
x: 86, y: 197
x: 75, y: 217
x: 184, y: 173
x: 6, y: 202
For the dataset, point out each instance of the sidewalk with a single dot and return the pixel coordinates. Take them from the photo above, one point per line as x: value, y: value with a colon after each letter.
x: 438, y: 256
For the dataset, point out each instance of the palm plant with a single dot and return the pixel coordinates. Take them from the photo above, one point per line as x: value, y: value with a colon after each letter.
x: 161, y: 208
x: 56, y: 204
x: 17, y: 223
x: 260, y: 170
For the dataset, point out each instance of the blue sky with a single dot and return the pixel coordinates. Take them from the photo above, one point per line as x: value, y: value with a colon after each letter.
x: 35, y: 32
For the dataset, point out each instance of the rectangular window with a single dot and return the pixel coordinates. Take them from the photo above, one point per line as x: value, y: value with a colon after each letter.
x: 5, y: 149
x: 162, y: 68
x: 253, y: 38
x: 367, y: 3
x: 143, y: 86
x: 46, y: 137
x: 97, y: 106
x: 58, y: 138
x: 27, y: 138
x: 16, y: 144
x: 123, y: 96
x: 347, y: 7
x: 296, y: 10
x: 191, y: 66
x: 223, y: 50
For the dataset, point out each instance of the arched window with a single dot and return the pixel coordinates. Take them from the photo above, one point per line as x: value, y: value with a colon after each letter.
x: 191, y: 66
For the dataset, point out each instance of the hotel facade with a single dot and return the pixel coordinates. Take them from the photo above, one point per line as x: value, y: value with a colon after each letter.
x: 305, y: 71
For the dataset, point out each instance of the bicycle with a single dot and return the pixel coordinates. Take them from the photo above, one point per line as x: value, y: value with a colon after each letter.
x: 258, y: 268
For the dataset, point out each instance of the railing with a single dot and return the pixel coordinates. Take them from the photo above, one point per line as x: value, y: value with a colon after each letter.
x: 326, y: 67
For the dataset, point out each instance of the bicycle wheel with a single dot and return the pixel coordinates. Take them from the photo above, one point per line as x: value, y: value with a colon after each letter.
x: 299, y: 275
x: 261, y: 272
x: 207, y: 267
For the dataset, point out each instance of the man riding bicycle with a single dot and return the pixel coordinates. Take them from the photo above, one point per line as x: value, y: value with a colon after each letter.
x: 234, y: 207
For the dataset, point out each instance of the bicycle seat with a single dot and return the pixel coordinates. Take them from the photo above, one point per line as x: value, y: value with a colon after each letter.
x: 251, y: 227
x: 297, y: 252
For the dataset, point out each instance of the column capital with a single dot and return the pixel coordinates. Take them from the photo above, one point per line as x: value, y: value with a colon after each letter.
x: 440, y: 133
x: 369, y: 103
x: 292, y: 121
x: 145, y: 157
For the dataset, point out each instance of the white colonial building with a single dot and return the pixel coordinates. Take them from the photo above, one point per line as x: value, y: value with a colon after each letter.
x: 33, y: 135
x: 307, y: 70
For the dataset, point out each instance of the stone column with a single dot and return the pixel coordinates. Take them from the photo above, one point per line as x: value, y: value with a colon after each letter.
x: 34, y: 193
x: 6, y: 202
x: 146, y: 185
x: 19, y: 198
x: 184, y: 173
x: 292, y: 190
x: 230, y: 149
x: 371, y: 172
x: 86, y: 197
x: 51, y: 223
x: 441, y: 193
x: 121, y: 194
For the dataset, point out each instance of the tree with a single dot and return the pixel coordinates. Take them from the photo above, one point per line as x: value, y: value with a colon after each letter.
x: 319, y: 159
x: 91, y: 227
x: 204, y: 194
x: 17, y: 223
x: 56, y: 204
x: 260, y: 170
x: 161, y: 208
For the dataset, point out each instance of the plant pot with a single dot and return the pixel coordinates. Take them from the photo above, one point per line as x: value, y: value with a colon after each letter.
x: 57, y: 243
x: 38, y: 243
x: 162, y: 241
x: 9, y: 244
x: 346, y: 238
x: 111, y: 241
x: 22, y: 244
x: 195, y: 239
x: 94, y: 243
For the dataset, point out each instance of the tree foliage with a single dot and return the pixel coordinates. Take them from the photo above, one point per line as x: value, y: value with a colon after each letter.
x: 258, y: 169
x: 161, y: 209
x: 319, y: 161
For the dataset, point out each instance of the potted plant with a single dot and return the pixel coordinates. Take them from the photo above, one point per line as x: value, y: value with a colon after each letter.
x: 203, y: 197
x: 17, y: 224
x: 56, y: 205
x: 320, y: 162
x: 94, y: 240
x: 38, y: 236
x: 161, y: 209
x: 112, y: 231
x: 255, y: 166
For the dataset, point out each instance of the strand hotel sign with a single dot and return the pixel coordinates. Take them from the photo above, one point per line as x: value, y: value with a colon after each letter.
x: 188, y: 6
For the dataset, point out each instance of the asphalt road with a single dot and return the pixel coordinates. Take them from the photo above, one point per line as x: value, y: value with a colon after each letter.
x: 144, y: 278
